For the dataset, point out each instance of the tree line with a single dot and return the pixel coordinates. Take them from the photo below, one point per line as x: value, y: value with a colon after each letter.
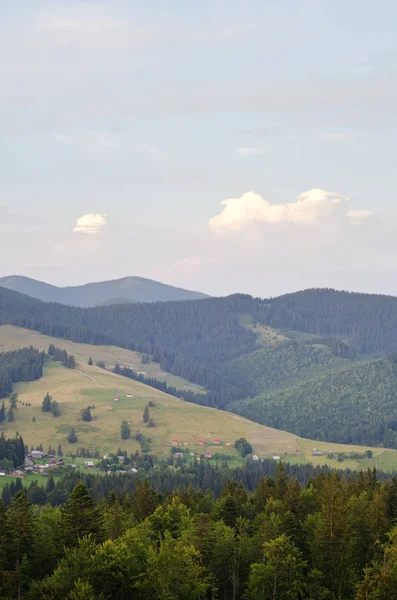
x: 60, y: 355
x: 25, y: 364
x: 331, y: 539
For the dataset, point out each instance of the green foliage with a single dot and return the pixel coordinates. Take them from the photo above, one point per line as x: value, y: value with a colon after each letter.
x: 72, y: 436
x: 85, y: 414
x: 351, y: 405
x: 62, y: 356
x: 80, y: 517
x: 243, y: 447
x: 20, y: 365
x: 125, y: 431
x: 50, y: 405
x: 281, y: 575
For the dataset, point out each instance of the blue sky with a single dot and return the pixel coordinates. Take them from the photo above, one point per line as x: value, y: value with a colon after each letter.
x: 125, y: 125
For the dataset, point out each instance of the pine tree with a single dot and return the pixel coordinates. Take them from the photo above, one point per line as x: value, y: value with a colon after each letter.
x: 125, y: 431
x: 80, y: 517
x: 20, y: 534
x: 13, y: 400
x: 46, y: 404
x: 72, y: 436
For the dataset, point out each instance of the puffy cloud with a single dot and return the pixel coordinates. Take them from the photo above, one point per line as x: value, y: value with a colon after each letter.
x: 309, y: 207
x: 90, y: 224
x: 358, y: 216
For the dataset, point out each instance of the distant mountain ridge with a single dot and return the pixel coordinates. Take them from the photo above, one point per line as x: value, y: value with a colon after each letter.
x: 101, y: 293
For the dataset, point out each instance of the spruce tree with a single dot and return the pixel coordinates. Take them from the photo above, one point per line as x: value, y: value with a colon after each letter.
x: 46, y: 404
x: 10, y: 415
x: 2, y: 412
x: 146, y: 414
x: 72, y: 436
x: 90, y: 361
x: 80, y: 517
x: 125, y: 431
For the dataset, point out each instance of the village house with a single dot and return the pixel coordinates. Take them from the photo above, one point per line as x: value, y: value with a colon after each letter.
x: 276, y: 457
x: 217, y: 441
x: 53, y: 462
x: 37, y: 454
x: 178, y: 455
x: 89, y: 464
x: 255, y: 457
x: 208, y: 455
x: 201, y: 442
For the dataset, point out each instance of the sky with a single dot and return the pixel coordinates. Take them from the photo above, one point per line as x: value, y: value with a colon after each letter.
x: 223, y: 146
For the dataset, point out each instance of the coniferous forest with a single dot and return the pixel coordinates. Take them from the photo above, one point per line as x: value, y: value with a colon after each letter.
x: 20, y: 365
x: 111, y: 538
x: 326, y: 365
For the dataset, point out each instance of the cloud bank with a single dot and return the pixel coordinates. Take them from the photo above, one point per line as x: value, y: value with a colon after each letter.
x: 90, y: 224
x: 309, y: 207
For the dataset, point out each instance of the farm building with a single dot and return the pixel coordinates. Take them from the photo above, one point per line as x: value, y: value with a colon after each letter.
x: 178, y: 455
x: 37, y: 454
x: 276, y: 457
x: 88, y: 463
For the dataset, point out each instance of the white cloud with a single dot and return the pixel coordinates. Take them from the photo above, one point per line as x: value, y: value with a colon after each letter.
x: 309, y: 207
x: 358, y: 216
x: 90, y: 224
x: 91, y: 142
x: 249, y: 151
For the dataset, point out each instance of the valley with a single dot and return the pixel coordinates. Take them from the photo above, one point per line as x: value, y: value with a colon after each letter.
x: 186, y: 422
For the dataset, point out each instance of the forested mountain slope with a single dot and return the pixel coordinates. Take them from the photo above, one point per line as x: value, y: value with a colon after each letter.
x: 127, y: 289
x: 272, y: 360
x: 369, y: 321
x: 352, y: 405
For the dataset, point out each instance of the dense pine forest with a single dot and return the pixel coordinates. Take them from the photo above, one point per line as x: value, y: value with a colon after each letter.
x: 21, y: 365
x: 298, y: 362
x: 115, y: 538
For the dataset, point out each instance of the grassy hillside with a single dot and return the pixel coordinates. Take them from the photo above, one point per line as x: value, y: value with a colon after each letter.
x: 12, y: 338
x: 175, y: 419
x: 289, y: 362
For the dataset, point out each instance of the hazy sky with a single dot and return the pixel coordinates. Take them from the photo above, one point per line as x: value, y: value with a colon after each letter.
x: 218, y: 145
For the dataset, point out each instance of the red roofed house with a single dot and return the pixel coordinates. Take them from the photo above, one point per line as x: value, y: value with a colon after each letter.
x: 208, y: 455
x: 201, y: 442
x: 217, y: 441
x: 175, y: 442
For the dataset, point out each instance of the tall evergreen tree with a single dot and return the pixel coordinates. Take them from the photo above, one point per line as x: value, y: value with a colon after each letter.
x: 80, y: 517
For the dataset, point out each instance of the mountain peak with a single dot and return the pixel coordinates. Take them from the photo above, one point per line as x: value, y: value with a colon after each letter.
x: 126, y: 289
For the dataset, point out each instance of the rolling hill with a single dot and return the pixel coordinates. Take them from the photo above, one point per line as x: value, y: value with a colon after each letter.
x: 296, y: 362
x: 117, y: 291
x: 85, y: 385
